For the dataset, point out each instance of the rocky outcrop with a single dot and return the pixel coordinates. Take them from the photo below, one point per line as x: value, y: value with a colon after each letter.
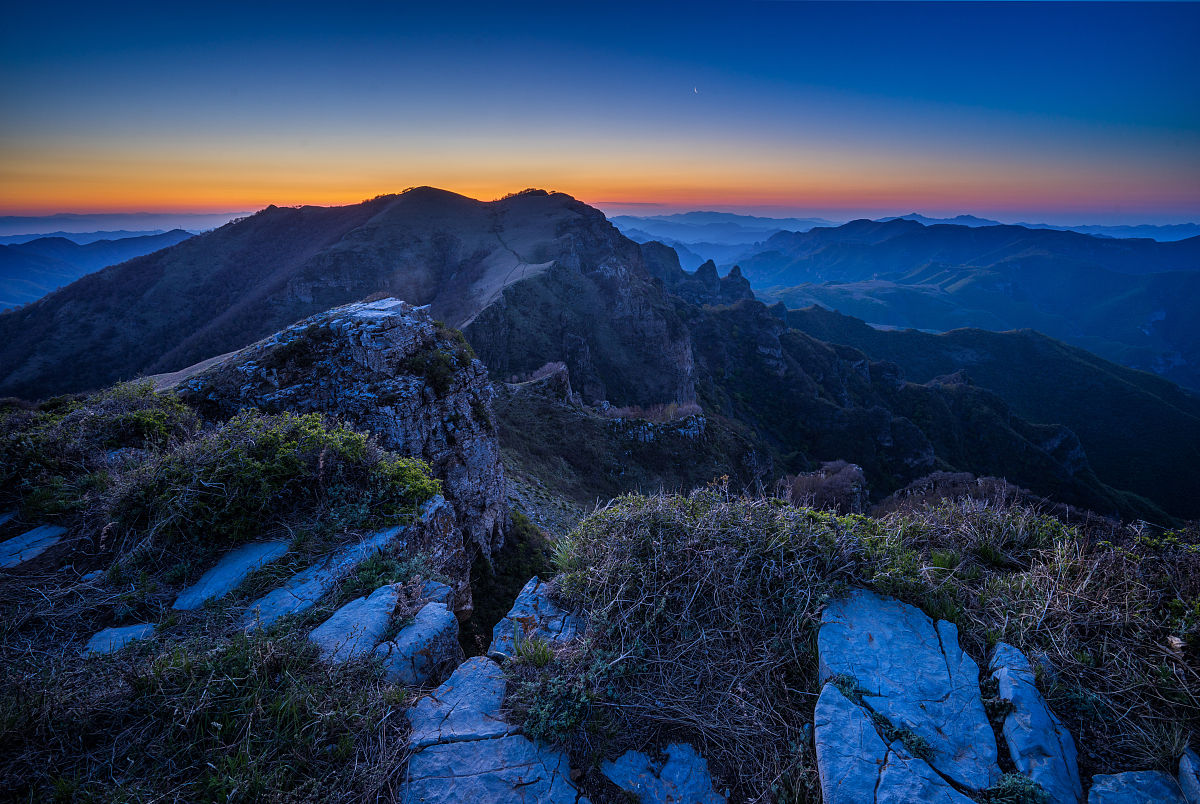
x: 1038, y: 742
x: 911, y: 676
x: 233, y: 568
x: 29, y: 545
x: 1135, y: 787
x: 466, y: 753
x: 683, y: 776
x: 422, y: 651
x: 533, y: 616
x: 388, y: 368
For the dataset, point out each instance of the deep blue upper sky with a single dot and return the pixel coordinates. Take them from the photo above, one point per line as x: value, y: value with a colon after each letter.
x: 1065, y: 109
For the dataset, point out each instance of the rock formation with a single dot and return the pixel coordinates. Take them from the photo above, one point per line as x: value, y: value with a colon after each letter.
x: 390, y: 369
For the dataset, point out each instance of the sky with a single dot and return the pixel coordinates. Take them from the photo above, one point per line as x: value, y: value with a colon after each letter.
x: 1070, y: 112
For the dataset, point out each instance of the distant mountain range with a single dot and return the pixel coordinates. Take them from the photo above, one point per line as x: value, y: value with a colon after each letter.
x: 1132, y: 301
x: 69, y: 222
x: 537, y: 278
x: 32, y: 269
x: 1179, y: 231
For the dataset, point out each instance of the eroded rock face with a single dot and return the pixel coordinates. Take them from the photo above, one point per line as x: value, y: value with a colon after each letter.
x: 533, y: 616
x: 465, y: 753
x: 913, y: 675
x: 1040, y: 745
x: 388, y: 368
x: 683, y: 777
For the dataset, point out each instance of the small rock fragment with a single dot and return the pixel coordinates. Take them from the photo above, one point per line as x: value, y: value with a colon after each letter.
x: 113, y: 639
x: 683, y: 777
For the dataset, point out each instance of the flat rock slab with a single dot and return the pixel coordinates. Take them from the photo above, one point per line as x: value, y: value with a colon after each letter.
x: 914, y: 674
x: 6, y: 516
x: 113, y: 639
x: 465, y: 707
x: 305, y: 588
x: 856, y: 765
x: 424, y: 650
x: 357, y: 627
x: 683, y: 777
x: 496, y: 771
x: 1040, y: 745
x: 1189, y: 776
x: 534, y: 616
x: 234, y: 567
x: 29, y: 545
x: 1135, y: 787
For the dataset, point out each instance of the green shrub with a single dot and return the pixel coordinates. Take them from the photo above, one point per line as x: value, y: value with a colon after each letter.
x: 258, y: 471
x: 55, y: 456
x: 1016, y: 788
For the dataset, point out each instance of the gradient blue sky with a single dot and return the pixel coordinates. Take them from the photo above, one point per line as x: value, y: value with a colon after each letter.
x: 1064, y: 112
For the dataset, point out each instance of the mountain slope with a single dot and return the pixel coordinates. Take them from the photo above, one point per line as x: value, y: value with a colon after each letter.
x: 538, y: 278
x: 32, y: 269
x: 1130, y: 301
x: 224, y: 289
x: 1044, y: 380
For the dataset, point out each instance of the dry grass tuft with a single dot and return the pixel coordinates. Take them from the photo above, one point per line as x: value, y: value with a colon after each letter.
x: 704, y: 611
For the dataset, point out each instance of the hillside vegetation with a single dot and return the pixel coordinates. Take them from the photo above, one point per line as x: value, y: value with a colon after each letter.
x: 703, y: 613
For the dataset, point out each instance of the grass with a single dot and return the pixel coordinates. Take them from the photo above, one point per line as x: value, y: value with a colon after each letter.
x: 704, y: 608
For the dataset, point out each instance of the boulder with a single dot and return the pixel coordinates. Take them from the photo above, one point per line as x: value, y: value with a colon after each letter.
x: 111, y: 640
x: 855, y: 764
x: 1040, y: 745
x: 682, y: 777
x: 914, y: 675
x: 1189, y: 776
x: 534, y: 615
x: 29, y: 545
x: 1135, y: 787
x: 438, y: 593
x: 465, y: 707
x: 421, y: 652
x: 302, y: 591
x: 233, y: 568
x: 357, y: 627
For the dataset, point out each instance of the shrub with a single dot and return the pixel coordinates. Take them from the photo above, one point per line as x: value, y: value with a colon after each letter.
x: 258, y: 471
x: 55, y: 455
x: 836, y: 486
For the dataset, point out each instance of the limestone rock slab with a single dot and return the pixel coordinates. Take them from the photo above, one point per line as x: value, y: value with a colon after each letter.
x: 357, y: 627
x: 683, y: 777
x: 914, y: 674
x: 533, y: 615
x: 29, y: 545
x: 111, y: 640
x: 506, y: 769
x: 422, y: 651
x: 302, y: 591
x: 233, y: 568
x: 1040, y: 745
x: 465, y: 707
x: 1135, y: 787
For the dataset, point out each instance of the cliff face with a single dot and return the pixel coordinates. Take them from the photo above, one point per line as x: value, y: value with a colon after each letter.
x: 388, y: 368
